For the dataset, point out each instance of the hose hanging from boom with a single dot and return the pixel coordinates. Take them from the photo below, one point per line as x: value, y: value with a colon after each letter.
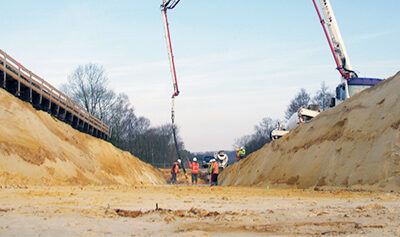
x: 174, y: 132
x: 170, y: 4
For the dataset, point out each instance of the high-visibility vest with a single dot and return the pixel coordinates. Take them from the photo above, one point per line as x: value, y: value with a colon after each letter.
x: 175, y: 168
x: 242, y: 153
x: 215, y: 168
x: 195, y: 167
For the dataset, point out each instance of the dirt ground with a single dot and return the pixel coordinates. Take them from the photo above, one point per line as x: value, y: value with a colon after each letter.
x: 185, y: 210
x: 38, y: 149
x: 355, y: 145
x: 55, y: 181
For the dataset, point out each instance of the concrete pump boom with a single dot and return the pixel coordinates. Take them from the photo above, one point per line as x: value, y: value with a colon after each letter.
x: 170, y: 4
x: 335, y: 42
x: 351, y: 83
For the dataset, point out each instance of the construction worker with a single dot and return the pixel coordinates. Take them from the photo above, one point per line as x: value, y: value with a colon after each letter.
x: 175, y: 170
x: 214, y: 172
x: 237, y: 154
x: 242, y: 153
x: 210, y: 169
x: 195, y: 170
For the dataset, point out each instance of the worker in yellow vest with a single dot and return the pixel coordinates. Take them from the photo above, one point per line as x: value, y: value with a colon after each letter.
x: 242, y: 153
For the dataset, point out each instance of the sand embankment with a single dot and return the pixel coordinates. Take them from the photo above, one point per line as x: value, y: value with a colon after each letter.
x: 36, y: 148
x: 354, y: 145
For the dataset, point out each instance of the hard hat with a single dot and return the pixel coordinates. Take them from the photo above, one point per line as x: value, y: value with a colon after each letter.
x: 195, y: 159
x: 179, y: 161
x: 212, y: 160
x: 237, y: 149
x: 241, y: 148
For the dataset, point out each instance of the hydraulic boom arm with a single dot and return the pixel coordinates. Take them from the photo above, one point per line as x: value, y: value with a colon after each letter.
x: 351, y: 83
x: 170, y: 4
x: 335, y: 40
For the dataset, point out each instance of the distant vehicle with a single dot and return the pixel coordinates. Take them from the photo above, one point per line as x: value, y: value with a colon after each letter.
x: 222, y: 158
x: 301, y: 116
x: 206, y: 161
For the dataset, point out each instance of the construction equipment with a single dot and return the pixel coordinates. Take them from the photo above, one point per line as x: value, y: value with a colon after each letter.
x: 301, y: 116
x: 350, y: 82
x: 222, y: 159
x: 166, y: 5
x: 206, y: 161
x: 171, y: 4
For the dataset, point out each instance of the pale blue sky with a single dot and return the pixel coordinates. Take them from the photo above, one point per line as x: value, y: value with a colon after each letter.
x: 237, y: 61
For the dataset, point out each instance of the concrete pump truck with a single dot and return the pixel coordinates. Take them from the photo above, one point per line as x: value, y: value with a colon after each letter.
x: 350, y: 82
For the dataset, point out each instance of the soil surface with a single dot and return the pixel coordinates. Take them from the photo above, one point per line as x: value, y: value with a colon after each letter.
x: 186, y: 178
x: 355, y: 144
x: 38, y: 149
x: 184, y: 210
x: 56, y: 181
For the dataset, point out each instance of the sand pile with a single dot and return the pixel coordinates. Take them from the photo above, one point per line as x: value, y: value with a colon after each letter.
x: 36, y: 148
x: 354, y: 145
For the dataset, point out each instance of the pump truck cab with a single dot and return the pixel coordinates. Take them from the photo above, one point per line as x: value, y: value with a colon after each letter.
x: 355, y: 85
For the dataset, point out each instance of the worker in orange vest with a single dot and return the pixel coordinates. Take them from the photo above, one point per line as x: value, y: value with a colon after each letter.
x: 214, y: 172
x: 237, y: 154
x: 175, y: 170
x: 195, y: 170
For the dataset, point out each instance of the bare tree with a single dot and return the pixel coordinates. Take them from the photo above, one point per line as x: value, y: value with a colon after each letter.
x: 300, y: 100
x: 259, y: 138
x: 242, y: 141
x: 121, y: 117
x: 87, y: 85
x: 266, y: 126
x: 323, y: 97
x: 106, y: 104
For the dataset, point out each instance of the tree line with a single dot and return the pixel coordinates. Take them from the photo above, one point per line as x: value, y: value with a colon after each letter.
x: 260, y: 136
x: 88, y: 86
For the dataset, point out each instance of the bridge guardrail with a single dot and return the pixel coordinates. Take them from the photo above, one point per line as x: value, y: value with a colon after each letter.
x: 38, y: 84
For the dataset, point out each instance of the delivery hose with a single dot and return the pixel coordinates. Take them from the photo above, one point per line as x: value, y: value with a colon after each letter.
x: 174, y: 133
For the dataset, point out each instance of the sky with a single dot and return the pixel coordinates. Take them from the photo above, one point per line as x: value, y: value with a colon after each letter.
x: 237, y: 61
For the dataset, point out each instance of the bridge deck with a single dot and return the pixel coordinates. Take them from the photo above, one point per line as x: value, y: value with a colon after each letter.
x: 29, y: 87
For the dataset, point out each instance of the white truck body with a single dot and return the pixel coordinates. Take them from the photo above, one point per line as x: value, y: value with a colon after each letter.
x: 222, y: 159
x: 301, y: 116
x: 278, y: 133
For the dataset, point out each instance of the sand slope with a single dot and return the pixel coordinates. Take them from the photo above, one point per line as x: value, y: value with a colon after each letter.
x: 353, y: 145
x: 36, y: 148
